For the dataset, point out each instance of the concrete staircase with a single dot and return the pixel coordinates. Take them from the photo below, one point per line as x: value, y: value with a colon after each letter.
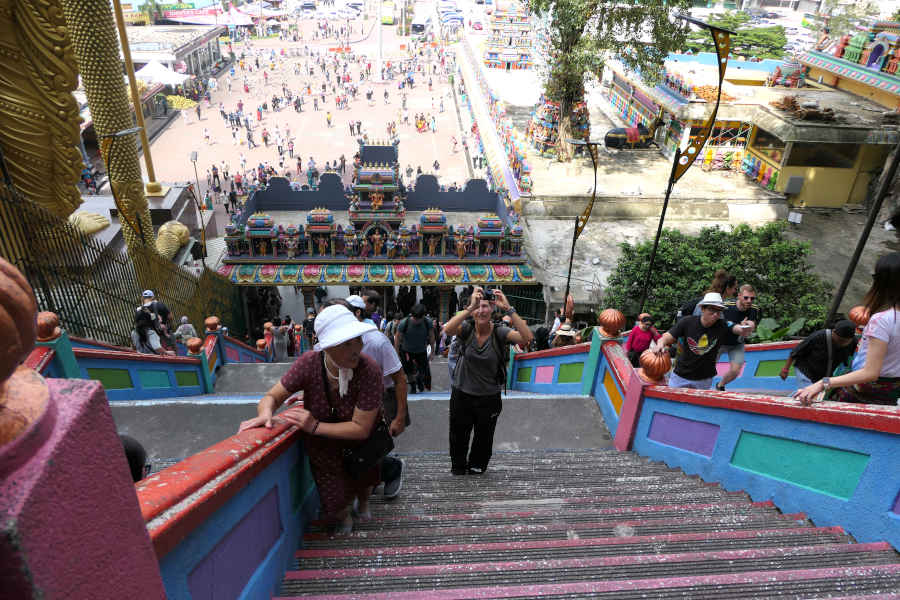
x: 582, y: 524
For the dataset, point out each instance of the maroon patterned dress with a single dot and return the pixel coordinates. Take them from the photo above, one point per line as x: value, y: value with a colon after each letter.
x: 336, y: 488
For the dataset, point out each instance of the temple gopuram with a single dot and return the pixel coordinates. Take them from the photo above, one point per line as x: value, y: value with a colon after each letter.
x: 375, y: 233
x: 509, y: 46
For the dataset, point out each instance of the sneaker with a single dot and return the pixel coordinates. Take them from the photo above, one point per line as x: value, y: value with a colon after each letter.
x: 477, y: 470
x: 392, y: 487
x: 720, y: 387
x: 457, y: 471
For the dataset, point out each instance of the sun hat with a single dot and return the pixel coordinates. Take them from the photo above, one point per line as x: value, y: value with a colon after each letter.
x: 356, y: 301
x: 335, y: 325
x: 147, y: 294
x: 712, y: 299
x: 566, y: 329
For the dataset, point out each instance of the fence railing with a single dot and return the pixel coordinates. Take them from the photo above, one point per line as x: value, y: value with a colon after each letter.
x: 95, y: 288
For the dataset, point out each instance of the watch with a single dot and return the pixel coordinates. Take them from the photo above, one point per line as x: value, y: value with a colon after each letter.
x: 510, y: 311
x: 826, y: 382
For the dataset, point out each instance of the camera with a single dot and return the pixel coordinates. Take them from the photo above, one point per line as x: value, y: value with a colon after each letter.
x: 488, y: 295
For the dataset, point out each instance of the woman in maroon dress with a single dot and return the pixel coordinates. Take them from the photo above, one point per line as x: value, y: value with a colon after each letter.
x: 341, y: 402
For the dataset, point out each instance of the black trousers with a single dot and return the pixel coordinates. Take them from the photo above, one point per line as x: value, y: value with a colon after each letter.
x: 468, y: 413
x: 390, y: 466
x: 417, y: 369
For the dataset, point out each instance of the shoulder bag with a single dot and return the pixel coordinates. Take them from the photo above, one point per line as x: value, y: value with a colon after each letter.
x: 368, y: 453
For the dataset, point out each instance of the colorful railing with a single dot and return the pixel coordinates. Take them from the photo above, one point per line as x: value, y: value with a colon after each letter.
x: 129, y: 375
x: 225, y: 523
x: 836, y: 462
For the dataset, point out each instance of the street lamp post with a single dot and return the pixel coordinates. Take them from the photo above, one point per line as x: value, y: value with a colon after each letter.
x: 199, y: 210
x: 582, y: 220
x: 683, y: 159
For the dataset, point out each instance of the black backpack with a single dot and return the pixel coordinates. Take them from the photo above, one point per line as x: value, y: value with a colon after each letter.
x: 500, y: 347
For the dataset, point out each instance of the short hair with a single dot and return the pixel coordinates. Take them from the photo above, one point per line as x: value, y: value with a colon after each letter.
x: 135, y: 455
x: 418, y: 311
x: 371, y: 296
x: 747, y: 288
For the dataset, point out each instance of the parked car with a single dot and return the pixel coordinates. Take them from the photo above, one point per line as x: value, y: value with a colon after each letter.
x: 772, y: 15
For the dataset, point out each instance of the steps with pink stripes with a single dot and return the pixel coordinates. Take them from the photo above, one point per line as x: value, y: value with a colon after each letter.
x: 582, y: 524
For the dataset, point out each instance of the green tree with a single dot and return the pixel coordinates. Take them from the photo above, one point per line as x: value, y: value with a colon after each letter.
x: 750, y: 42
x: 581, y: 33
x: 844, y: 17
x: 152, y: 9
x: 778, y: 268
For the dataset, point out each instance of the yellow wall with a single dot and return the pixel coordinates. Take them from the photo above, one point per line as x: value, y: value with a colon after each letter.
x: 831, y: 187
x: 881, y: 97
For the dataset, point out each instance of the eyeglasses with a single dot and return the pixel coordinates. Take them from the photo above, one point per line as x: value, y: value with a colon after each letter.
x: 714, y: 309
x: 749, y: 297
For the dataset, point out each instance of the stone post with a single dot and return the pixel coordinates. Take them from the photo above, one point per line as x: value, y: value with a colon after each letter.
x: 70, y: 523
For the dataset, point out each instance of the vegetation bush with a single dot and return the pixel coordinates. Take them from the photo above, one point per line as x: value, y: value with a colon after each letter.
x: 779, y: 269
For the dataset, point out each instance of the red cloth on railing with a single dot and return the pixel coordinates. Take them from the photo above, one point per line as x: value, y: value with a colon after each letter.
x: 632, y: 135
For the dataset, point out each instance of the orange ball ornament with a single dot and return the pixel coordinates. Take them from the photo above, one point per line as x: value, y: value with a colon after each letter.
x: 194, y: 344
x: 611, y: 322
x: 211, y: 323
x: 654, y: 366
x: 18, y: 324
x: 859, y: 315
x: 47, y: 326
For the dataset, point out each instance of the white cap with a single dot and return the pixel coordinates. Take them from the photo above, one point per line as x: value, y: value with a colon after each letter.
x: 356, y: 301
x: 712, y: 299
x: 335, y: 325
x: 147, y: 294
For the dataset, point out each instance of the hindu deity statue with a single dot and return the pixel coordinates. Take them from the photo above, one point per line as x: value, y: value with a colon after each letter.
x: 461, y: 247
x: 391, y: 245
x: 377, y: 242
x: 432, y: 244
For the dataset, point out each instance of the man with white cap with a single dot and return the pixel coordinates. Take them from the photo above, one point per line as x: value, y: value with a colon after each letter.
x: 700, y: 338
x: 160, y: 316
x: 342, y: 391
x: 377, y: 346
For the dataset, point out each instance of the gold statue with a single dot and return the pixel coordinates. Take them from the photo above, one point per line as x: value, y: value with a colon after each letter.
x: 93, y: 34
x: 40, y: 133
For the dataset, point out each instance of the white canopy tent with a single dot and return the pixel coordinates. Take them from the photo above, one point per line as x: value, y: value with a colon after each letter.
x: 156, y: 72
x: 232, y: 18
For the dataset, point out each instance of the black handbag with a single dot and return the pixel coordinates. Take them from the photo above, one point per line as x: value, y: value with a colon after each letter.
x: 367, y: 454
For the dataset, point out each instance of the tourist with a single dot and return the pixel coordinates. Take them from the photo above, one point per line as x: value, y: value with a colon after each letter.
x: 640, y: 338
x: 478, y: 376
x: 342, y: 391
x: 414, y: 336
x: 160, y: 314
x: 308, y: 328
x: 700, y: 338
x: 144, y: 337
x: 279, y: 340
x: 876, y: 375
x: 396, y: 413
x: 740, y: 311
x: 565, y: 336
x: 185, y: 331
x: 816, y: 357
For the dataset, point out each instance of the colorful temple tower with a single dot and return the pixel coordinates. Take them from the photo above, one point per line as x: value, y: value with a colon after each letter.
x: 509, y: 46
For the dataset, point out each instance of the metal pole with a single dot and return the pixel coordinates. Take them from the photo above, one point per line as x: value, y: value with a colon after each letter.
x: 662, y: 217
x: 200, y: 216
x: 884, y: 185
x: 152, y: 187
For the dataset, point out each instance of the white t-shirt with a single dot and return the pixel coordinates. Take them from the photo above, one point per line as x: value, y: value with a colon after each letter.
x: 380, y: 349
x: 884, y: 326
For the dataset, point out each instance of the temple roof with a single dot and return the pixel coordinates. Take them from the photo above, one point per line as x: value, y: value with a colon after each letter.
x: 378, y: 154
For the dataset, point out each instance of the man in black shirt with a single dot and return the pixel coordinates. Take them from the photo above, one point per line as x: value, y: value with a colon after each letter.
x: 810, y: 357
x: 742, y: 311
x: 700, y: 338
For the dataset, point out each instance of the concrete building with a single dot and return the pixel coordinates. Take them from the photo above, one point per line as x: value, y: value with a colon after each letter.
x: 818, y: 146
x: 192, y: 49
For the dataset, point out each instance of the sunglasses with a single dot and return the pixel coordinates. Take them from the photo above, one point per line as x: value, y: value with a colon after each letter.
x: 749, y: 297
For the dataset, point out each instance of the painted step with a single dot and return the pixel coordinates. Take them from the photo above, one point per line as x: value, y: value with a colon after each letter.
x: 798, y: 583
x: 386, y: 521
x: 599, y: 528
x: 410, y: 504
x: 609, y: 568
x: 349, y: 558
